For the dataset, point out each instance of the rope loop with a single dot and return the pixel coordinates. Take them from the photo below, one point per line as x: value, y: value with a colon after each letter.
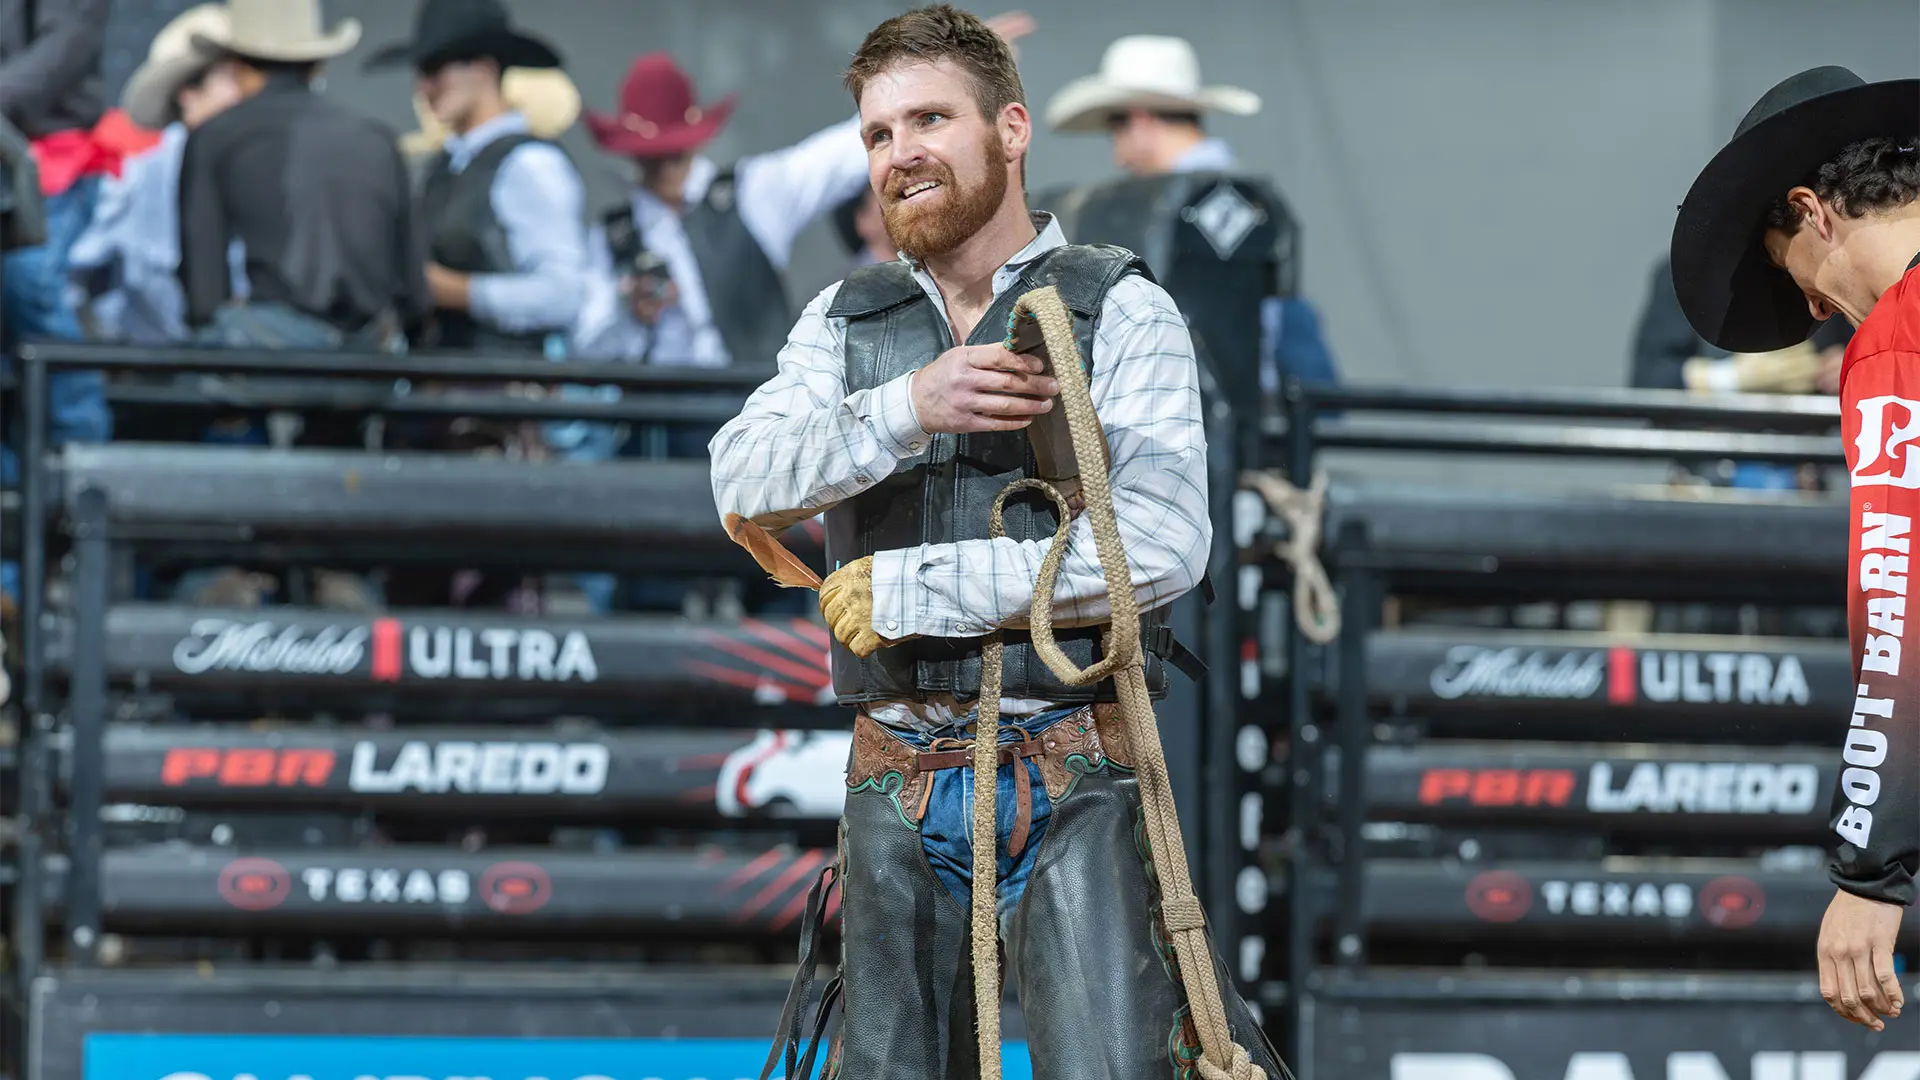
x: 1315, y: 607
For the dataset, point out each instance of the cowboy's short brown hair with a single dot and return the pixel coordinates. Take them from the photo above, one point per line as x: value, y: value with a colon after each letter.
x: 942, y: 32
x: 1869, y: 176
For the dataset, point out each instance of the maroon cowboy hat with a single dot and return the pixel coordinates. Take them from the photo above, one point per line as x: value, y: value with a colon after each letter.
x: 658, y: 116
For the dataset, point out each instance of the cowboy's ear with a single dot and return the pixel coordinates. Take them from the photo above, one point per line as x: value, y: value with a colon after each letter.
x: 1812, y: 212
x: 1016, y: 129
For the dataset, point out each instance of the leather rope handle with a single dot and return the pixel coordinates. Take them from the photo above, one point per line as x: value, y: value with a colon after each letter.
x: 1220, y: 1057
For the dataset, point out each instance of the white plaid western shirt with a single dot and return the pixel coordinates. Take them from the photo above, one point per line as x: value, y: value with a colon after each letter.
x: 803, y: 443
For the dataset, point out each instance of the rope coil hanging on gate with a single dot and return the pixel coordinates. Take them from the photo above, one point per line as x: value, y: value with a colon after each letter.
x: 1124, y: 663
x: 1315, y: 607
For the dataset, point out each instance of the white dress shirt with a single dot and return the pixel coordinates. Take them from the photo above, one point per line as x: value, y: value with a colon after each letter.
x: 779, y: 194
x: 803, y: 443
x: 540, y: 202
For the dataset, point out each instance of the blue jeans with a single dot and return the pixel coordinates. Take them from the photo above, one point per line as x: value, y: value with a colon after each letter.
x: 34, y: 303
x: 946, y: 829
x: 246, y: 324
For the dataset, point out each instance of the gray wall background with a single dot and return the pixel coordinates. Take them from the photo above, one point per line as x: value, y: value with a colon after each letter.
x: 1485, y: 184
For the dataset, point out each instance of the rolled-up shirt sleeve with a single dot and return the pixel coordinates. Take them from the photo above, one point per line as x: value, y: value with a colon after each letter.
x: 1146, y: 390
x: 539, y: 200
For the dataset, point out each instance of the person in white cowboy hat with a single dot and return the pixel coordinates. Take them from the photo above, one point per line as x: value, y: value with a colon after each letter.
x: 129, y: 257
x: 1148, y: 96
x: 316, y: 193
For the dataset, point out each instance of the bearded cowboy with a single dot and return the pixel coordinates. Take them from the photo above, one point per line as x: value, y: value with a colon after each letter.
x: 1812, y: 210
x: 898, y: 414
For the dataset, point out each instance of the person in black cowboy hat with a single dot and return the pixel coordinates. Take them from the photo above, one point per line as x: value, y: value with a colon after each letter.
x: 504, y: 208
x: 1812, y: 210
x: 504, y: 212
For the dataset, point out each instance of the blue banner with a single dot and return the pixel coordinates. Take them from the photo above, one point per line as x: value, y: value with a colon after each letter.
x: 351, y: 1057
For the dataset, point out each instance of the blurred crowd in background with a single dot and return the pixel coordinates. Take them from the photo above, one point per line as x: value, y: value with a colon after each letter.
x: 225, y: 201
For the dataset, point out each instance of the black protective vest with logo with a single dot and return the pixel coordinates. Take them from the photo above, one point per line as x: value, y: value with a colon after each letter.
x: 944, y: 494
x: 463, y: 234
x: 1219, y: 243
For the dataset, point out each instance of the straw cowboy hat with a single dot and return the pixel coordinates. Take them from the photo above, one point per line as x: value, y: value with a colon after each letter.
x: 173, y: 60
x: 281, y: 31
x: 658, y: 116
x: 464, y: 29
x: 546, y: 96
x: 1730, y: 290
x: 1144, y: 71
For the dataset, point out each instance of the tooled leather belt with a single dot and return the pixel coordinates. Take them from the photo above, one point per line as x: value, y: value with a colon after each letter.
x: 931, y: 761
x: 884, y: 762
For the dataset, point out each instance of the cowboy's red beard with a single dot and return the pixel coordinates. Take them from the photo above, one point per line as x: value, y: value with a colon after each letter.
x: 936, y: 223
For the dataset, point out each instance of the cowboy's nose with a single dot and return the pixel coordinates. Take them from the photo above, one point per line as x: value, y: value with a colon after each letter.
x: 1822, y: 311
x: 906, y: 153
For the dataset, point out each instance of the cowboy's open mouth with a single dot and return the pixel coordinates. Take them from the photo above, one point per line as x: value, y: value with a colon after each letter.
x: 918, y: 189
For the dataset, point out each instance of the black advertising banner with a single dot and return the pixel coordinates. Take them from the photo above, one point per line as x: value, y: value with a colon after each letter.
x: 1766, y: 792
x: 745, y: 662
x: 563, y: 771
x: 1602, y: 1026
x: 544, y: 891
x: 424, y: 889
x: 1643, y: 672
x: 1637, y: 900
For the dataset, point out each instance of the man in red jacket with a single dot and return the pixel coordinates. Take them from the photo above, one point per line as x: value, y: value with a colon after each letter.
x: 1812, y: 210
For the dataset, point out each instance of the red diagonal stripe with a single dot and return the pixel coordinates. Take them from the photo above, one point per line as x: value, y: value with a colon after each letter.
x: 806, y: 864
x: 813, y: 632
x: 812, y: 676
x: 805, y: 649
x: 751, y: 680
x: 752, y: 870
x: 798, y: 906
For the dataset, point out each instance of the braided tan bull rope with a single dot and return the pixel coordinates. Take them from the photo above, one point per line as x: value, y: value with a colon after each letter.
x: 1123, y: 662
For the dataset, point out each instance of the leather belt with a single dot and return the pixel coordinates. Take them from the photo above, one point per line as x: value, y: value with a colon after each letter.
x: 961, y: 756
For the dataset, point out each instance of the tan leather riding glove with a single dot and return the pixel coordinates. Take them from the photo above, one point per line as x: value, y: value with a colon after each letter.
x: 846, y: 599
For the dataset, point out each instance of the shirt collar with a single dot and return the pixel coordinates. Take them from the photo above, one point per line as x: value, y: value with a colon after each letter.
x: 461, y: 148
x: 1049, y: 236
x: 700, y: 174
x: 1207, y: 155
x: 287, y: 81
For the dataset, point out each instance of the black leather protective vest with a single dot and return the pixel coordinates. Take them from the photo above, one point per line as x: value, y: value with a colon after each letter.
x: 945, y: 494
x: 746, y: 293
x: 463, y: 234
